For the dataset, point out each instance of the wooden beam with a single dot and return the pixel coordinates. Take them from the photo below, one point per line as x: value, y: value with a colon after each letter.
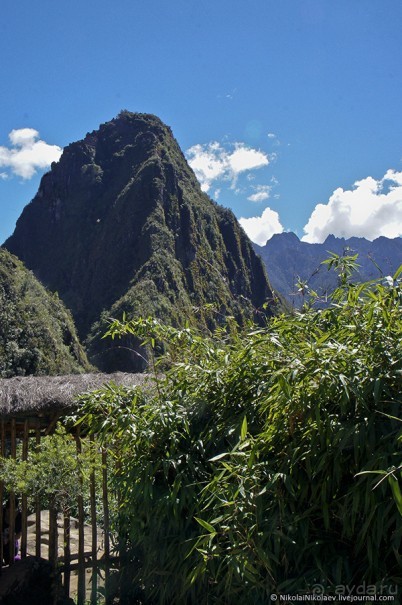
x: 51, y: 425
x: 101, y: 563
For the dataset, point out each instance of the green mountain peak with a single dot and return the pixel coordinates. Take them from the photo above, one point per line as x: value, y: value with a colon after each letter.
x: 120, y: 224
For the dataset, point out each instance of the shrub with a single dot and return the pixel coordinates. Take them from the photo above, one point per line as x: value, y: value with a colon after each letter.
x: 238, y: 473
x: 54, y: 473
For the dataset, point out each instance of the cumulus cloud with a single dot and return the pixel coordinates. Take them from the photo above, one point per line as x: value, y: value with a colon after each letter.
x: 245, y: 158
x: 262, y: 192
x: 23, y: 137
x: 27, y: 153
x: 370, y: 209
x: 261, y: 228
x: 213, y: 161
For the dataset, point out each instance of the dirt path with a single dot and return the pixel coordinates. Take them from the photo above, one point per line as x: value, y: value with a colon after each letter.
x: 74, y: 542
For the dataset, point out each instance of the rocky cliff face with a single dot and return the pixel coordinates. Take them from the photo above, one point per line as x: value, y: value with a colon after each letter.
x: 37, y: 333
x: 287, y: 259
x: 120, y: 224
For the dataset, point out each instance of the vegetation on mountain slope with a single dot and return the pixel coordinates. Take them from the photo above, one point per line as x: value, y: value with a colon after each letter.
x: 37, y: 333
x: 240, y: 477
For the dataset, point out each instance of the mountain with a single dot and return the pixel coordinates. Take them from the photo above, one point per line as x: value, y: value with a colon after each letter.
x: 37, y: 333
x: 120, y: 224
x: 287, y: 259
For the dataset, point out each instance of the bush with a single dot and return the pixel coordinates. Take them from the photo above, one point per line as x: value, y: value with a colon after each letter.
x: 238, y: 474
x: 55, y: 474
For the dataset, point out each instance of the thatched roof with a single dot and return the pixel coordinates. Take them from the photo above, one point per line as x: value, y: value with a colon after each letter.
x: 41, y: 395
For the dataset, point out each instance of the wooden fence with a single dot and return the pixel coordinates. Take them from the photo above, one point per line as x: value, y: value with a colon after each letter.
x: 86, y: 565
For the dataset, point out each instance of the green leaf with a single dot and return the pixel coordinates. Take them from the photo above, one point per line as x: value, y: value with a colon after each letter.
x: 243, y: 432
x: 397, y: 273
x: 396, y: 491
x: 210, y: 528
x: 218, y: 457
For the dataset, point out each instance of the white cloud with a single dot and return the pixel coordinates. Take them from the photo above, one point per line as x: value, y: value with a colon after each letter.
x: 3, y: 176
x: 258, y: 197
x: 246, y: 158
x: 262, y: 192
x: 261, y: 228
x: 23, y: 137
x: 237, y: 190
x: 27, y: 153
x: 371, y: 209
x: 271, y: 135
x: 208, y: 163
x: 212, y: 161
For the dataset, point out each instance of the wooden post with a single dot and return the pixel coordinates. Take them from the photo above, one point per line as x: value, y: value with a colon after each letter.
x: 12, y: 510
x: 2, y: 452
x: 38, y: 528
x: 24, y: 510
x: 53, y: 536
x: 53, y: 545
x: 67, y: 553
x: 94, y: 526
x: 121, y: 542
x: 105, y: 503
x: 81, y: 560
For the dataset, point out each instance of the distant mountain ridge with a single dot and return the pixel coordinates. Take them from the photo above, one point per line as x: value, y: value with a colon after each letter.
x: 287, y: 259
x: 120, y: 224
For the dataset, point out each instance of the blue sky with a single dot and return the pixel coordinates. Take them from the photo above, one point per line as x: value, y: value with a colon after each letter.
x: 288, y: 110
